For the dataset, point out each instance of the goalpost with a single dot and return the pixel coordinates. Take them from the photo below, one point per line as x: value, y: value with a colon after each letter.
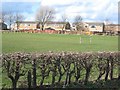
x: 90, y: 38
x: 80, y: 40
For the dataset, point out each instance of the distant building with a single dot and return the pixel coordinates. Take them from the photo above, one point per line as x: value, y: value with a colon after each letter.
x: 3, y: 26
x: 56, y: 25
x: 90, y: 26
x: 73, y: 27
x: 95, y: 26
x: 112, y: 28
x: 24, y: 25
x: 32, y: 25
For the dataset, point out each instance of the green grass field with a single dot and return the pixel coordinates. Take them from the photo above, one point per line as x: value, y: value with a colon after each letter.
x: 29, y: 42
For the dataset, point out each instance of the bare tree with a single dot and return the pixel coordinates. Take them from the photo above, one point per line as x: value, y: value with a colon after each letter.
x: 64, y: 20
x: 78, y: 22
x: 10, y: 19
x: 18, y: 17
x: 78, y: 19
x: 14, y: 67
x: 44, y: 15
x: 107, y: 21
x: 87, y: 63
x: 3, y: 16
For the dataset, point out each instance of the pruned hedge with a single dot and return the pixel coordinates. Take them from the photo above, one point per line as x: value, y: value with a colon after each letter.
x: 67, y: 64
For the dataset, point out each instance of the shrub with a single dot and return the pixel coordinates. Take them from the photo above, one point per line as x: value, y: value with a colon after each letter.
x: 67, y: 64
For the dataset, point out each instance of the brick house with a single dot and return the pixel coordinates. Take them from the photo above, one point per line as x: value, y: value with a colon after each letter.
x: 112, y: 28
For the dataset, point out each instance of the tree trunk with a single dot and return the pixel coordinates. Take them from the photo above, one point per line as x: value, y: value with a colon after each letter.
x: 66, y: 80
x: 69, y: 80
x: 60, y: 73
x: 107, y: 71
x: 42, y: 27
x: 111, y: 71
x: 118, y: 72
x: 34, y: 74
x: 53, y: 78
x: 17, y: 25
x: 41, y: 83
x: 78, y: 75
x: 119, y: 77
x: 60, y: 77
x: 29, y: 79
x: 106, y: 76
x: 100, y: 75
x: 62, y: 27
x: 14, y: 84
x: 10, y: 26
x: 87, y: 75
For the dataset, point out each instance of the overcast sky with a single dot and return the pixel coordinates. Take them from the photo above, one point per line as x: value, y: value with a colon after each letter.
x: 90, y: 10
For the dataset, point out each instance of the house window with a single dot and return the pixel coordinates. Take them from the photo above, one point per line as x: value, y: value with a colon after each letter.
x: 93, y: 26
x: 73, y: 25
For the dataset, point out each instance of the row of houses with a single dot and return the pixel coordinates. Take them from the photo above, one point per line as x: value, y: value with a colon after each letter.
x: 27, y: 25
x: 94, y: 27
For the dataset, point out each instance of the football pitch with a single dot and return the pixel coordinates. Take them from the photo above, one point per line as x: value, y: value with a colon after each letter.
x: 35, y: 42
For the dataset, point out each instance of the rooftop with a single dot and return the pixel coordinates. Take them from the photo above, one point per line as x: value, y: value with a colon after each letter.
x: 34, y: 22
x: 95, y: 23
x: 113, y: 25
